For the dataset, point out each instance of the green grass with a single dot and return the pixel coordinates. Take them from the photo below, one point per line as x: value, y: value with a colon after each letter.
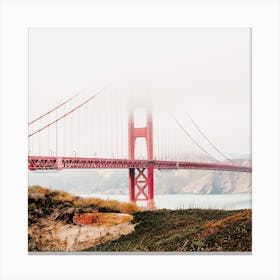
x: 185, y: 230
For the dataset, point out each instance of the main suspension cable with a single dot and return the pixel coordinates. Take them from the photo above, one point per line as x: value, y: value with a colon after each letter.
x: 195, y: 142
x: 208, y: 140
x: 66, y: 114
x: 55, y: 108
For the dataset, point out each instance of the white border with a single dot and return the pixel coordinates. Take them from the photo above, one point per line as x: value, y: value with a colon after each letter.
x: 262, y: 16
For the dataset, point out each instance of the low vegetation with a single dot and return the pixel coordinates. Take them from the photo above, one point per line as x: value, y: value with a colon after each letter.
x: 185, y: 230
x: 44, y: 202
x: 59, y: 221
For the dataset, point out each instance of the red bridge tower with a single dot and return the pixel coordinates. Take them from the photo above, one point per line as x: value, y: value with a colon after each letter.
x: 141, y: 180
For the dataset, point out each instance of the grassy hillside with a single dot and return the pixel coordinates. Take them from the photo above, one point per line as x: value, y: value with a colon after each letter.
x: 54, y: 215
x: 186, y: 230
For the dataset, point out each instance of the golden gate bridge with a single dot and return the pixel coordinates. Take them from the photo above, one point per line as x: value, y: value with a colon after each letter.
x: 104, y: 130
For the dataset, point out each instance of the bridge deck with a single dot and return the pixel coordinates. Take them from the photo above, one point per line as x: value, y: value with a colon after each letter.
x: 58, y: 163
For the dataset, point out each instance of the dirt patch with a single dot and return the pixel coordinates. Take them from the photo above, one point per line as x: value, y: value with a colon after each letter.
x: 58, y: 236
x: 78, y: 238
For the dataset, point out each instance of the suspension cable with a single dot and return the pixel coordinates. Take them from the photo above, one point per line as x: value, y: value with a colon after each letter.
x: 55, y: 108
x: 66, y: 114
x: 196, y: 143
x: 208, y: 140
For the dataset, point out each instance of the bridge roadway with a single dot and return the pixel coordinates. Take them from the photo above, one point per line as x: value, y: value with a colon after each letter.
x: 59, y: 163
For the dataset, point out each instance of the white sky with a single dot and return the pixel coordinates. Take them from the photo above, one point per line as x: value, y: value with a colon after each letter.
x: 206, y: 72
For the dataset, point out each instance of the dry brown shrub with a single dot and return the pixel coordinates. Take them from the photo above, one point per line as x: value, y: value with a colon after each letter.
x: 37, y: 192
x: 114, y: 205
x: 128, y: 207
x: 64, y: 197
x: 213, y: 227
x: 87, y: 201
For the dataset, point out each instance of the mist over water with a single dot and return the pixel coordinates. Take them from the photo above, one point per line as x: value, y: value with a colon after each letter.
x: 187, y: 201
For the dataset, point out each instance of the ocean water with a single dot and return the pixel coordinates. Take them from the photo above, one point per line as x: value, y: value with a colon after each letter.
x: 186, y: 201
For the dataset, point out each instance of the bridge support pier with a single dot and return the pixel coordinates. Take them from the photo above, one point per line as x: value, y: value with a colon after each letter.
x: 141, y: 185
x: 141, y: 180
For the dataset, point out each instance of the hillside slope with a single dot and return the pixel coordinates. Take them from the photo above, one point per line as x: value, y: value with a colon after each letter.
x: 185, y: 230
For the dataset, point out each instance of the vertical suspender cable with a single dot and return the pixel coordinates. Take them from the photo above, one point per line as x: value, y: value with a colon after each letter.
x: 56, y: 148
x: 72, y: 124
x: 64, y: 139
x: 39, y: 143
x: 111, y: 132
x: 117, y: 128
x: 48, y: 153
x: 86, y: 131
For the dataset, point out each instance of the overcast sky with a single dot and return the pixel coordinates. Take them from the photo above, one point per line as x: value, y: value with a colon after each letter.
x: 203, y: 71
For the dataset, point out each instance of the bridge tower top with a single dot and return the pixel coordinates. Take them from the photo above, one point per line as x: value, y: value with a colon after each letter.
x: 138, y: 132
